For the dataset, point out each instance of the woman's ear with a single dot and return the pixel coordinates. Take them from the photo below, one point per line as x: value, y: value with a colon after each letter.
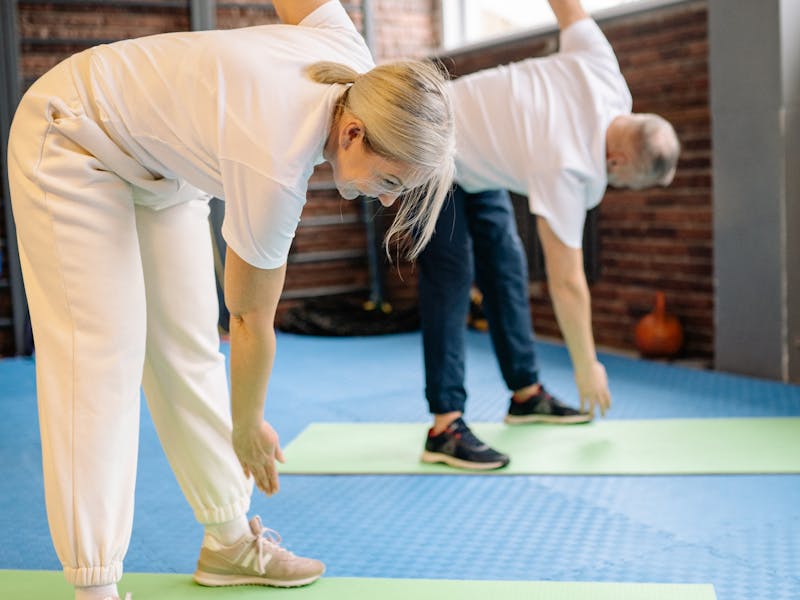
x: 351, y: 131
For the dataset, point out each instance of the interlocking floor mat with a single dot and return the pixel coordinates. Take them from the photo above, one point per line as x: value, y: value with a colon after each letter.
x: 622, y: 447
x: 38, y: 585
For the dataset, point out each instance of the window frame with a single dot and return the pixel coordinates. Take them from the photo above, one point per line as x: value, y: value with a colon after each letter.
x: 454, y: 10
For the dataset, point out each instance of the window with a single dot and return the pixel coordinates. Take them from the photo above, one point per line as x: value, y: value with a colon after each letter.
x: 470, y: 21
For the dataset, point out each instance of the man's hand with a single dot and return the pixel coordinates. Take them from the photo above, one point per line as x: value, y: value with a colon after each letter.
x: 592, y: 385
x: 257, y: 448
x: 567, y: 12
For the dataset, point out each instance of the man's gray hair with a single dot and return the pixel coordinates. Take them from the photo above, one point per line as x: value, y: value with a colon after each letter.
x: 659, y: 149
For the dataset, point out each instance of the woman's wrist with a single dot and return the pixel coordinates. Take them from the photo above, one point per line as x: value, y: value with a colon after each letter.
x: 246, y: 421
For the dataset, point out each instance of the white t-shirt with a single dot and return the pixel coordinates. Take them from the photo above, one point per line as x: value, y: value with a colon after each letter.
x: 537, y: 127
x: 233, y: 114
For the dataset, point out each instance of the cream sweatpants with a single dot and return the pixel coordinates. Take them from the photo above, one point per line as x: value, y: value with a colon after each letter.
x: 120, y: 295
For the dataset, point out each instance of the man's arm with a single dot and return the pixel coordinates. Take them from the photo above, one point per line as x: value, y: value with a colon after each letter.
x: 291, y: 12
x: 567, y: 12
x: 569, y: 292
x: 251, y: 296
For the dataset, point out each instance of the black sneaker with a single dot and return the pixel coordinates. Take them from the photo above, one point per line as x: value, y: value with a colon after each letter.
x: 544, y: 408
x: 458, y: 447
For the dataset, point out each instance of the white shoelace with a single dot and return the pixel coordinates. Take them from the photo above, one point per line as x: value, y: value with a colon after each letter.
x: 268, y: 542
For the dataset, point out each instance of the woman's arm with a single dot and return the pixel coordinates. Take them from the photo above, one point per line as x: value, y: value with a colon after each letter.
x: 252, y: 295
x: 291, y: 12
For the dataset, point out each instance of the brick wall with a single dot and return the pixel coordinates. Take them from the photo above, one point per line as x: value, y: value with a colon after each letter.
x: 329, y: 253
x: 49, y: 33
x: 405, y: 28
x: 652, y: 240
x: 655, y: 240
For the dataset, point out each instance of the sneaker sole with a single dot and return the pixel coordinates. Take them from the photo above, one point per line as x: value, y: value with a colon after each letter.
x: 553, y: 420
x: 437, y: 457
x: 218, y: 580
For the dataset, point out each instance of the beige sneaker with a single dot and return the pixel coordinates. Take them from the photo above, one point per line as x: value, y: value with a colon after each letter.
x: 254, y: 560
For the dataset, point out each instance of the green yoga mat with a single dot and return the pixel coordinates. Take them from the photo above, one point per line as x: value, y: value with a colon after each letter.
x: 646, y: 447
x: 48, y: 585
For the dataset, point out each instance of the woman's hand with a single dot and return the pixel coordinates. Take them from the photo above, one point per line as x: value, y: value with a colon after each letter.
x: 257, y: 448
x: 592, y: 385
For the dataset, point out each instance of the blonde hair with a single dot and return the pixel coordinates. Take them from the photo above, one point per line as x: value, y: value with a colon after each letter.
x: 407, y: 117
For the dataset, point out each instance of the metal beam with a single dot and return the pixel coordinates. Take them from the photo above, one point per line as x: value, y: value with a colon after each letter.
x: 9, y: 98
x: 755, y: 104
x: 370, y: 208
x: 203, y: 14
x: 368, y: 20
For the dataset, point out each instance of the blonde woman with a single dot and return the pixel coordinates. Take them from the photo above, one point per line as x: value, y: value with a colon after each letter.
x: 108, y: 154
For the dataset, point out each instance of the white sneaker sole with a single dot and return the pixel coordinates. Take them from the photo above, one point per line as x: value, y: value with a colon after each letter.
x: 438, y: 457
x: 217, y: 580
x: 553, y: 420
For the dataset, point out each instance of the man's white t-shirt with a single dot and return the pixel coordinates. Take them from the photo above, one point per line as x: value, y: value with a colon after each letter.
x: 537, y: 127
x: 231, y: 113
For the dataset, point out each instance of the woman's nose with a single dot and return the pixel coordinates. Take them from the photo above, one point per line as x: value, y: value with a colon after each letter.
x: 387, y: 199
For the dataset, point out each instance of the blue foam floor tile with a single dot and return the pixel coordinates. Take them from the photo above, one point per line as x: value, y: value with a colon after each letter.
x: 696, y: 509
x: 741, y: 533
x: 393, y: 364
x: 770, y: 548
x: 732, y: 580
x: 448, y: 528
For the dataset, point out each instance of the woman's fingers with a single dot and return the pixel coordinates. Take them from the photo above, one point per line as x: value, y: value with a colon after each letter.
x: 262, y: 479
x: 266, y: 477
x: 272, y: 476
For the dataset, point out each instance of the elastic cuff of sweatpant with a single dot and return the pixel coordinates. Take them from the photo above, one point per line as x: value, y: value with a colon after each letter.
x: 105, y: 575
x: 223, y: 514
